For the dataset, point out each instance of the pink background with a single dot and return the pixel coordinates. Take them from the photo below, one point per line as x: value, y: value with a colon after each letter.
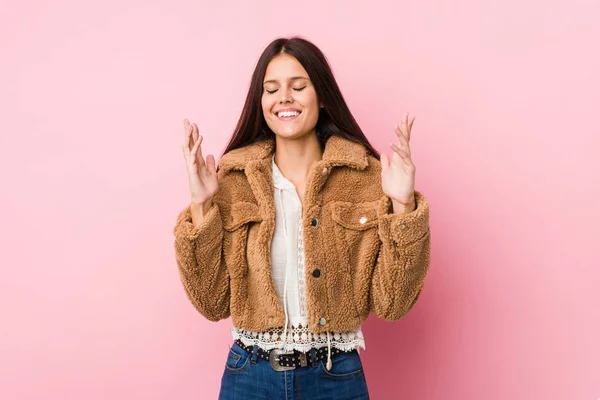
x: 507, y: 99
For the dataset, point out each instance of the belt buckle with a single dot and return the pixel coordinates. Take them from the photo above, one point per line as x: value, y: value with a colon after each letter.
x: 274, y: 360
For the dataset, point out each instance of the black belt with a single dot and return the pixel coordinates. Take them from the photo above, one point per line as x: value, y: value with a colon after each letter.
x: 286, y: 360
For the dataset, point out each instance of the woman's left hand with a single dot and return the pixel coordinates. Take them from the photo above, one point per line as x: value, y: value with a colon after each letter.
x: 398, y: 173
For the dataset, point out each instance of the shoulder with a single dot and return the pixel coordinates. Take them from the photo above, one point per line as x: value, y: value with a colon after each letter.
x: 370, y: 172
x: 238, y: 159
x: 374, y: 166
x: 355, y: 185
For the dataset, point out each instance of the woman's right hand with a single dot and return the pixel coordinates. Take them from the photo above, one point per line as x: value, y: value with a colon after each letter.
x: 202, y: 175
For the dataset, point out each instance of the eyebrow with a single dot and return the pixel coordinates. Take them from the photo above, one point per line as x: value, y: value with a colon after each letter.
x: 293, y: 78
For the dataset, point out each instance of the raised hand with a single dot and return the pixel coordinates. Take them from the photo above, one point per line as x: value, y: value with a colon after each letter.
x: 202, y: 175
x: 398, y: 173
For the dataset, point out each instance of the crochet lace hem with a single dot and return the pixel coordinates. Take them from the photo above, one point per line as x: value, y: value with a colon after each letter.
x: 300, y: 338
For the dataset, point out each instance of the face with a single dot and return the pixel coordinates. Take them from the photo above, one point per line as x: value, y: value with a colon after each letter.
x: 289, y: 100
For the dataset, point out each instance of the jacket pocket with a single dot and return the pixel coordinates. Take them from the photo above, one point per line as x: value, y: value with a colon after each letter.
x: 240, y: 213
x: 357, y: 244
x: 238, y: 219
x: 355, y: 216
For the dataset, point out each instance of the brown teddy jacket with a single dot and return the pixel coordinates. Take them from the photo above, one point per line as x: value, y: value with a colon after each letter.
x: 369, y: 259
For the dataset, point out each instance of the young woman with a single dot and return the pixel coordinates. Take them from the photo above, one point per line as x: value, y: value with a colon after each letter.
x: 300, y: 233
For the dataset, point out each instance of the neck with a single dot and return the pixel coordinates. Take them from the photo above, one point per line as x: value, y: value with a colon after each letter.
x: 295, y: 157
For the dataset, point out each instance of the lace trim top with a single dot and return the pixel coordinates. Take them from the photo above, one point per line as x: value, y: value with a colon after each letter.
x: 300, y: 338
x: 287, y: 260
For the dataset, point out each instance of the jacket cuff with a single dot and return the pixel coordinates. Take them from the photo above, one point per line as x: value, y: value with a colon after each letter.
x: 403, y: 228
x: 184, y: 227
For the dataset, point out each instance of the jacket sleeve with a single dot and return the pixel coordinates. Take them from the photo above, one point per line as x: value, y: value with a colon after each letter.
x: 403, y: 259
x: 198, y: 252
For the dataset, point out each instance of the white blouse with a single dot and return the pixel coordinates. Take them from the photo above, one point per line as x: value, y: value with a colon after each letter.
x: 287, y: 263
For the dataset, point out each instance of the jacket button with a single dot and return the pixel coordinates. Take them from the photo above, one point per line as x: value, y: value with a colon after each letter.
x: 317, y: 273
x: 314, y: 221
x: 322, y: 322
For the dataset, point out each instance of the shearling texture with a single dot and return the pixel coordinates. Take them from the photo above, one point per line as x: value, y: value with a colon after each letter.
x: 371, y: 260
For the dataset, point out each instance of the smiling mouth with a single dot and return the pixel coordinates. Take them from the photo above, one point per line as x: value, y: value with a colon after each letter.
x: 287, y: 115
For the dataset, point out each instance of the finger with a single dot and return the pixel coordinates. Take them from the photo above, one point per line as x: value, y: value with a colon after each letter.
x: 191, y: 141
x: 193, y: 152
x: 402, y: 138
x: 186, y: 153
x: 398, y: 150
x: 404, y: 145
x: 198, y: 153
x: 385, y: 162
x: 410, y: 127
x: 186, y: 139
x: 408, y: 162
x: 403, y: 155
x: 412, y: 121
x: 195, y: 132
x: 199, y: 156
x: 210, y: 164
x: 186, y: 133
x: 399, y: 132
x: 194, y: 135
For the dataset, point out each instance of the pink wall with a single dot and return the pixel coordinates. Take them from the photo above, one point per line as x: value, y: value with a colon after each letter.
x: 507, y: 99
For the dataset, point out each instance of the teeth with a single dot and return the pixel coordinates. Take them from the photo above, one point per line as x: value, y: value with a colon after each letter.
x: 288, y: 114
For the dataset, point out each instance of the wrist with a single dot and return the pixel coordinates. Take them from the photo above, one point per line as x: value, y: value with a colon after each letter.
x: 404, y: 208
x: 201, y: 208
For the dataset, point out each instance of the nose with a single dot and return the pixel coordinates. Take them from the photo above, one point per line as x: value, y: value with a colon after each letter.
x: 285, y: 96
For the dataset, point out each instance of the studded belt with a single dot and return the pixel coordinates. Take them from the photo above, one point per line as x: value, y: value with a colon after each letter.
x: 282, y: 360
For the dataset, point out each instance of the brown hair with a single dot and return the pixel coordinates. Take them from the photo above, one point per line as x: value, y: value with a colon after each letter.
x: 335, y: 117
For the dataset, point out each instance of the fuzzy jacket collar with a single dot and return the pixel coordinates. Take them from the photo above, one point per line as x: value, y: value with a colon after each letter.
x: 338, y: 151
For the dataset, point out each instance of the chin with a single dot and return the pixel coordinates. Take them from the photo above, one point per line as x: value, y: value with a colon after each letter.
x: 295, y: 134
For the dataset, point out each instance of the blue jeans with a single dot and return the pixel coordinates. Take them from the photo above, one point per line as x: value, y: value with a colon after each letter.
x: 247, y: 376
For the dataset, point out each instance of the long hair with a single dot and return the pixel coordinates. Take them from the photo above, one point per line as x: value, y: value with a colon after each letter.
x: 335, y: 117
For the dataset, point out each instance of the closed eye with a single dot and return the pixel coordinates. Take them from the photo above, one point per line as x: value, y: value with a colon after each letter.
x: 296, y: 89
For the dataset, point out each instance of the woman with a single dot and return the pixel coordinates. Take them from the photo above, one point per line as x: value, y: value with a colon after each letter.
x: 300, y: 233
